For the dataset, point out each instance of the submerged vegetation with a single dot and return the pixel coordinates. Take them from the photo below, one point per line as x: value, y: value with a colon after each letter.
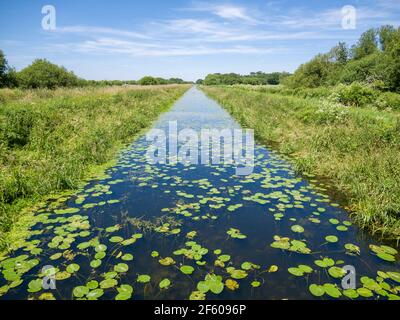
x: 357, y: 148
x: 51, y: 140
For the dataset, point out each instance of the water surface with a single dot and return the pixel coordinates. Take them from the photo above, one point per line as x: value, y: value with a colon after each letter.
x: 124, y: 225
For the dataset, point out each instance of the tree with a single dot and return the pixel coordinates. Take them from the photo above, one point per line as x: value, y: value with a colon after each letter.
x: 44, y: 74
x: 366, y: 45
x: 387, y: 36
x: 7, y: 74
x: 340, y: 53
x: 312, y: 74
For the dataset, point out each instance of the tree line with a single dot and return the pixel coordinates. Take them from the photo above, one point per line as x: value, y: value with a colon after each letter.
x: 254, y: 78
x: 44, y: 74
x: 373, y: 60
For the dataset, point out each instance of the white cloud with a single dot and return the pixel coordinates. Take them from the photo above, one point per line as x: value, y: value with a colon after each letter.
x: 225, y: 11
x: 91, y: 31
x: 221, y: 29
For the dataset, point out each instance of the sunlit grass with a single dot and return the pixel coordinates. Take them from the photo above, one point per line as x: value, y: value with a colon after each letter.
x: 51, y: 139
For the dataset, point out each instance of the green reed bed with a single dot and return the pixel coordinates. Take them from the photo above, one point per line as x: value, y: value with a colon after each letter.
x: 357, y: 148
x: 50, y: 140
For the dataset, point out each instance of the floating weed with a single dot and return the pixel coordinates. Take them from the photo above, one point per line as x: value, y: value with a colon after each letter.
x: 211, y: 283
x: 143, y: 278
x: 108, y: 283
x: 300, y: 271
x: 285, y: 243
x: 164, y: 284
x: 187, y: 269
x: 168, y: 261
x: 236, y: 234
x: 72, y: 268
x: 125, y: 292
x: 121, y: 268
x: 384, y: 252
x: 331, y: 239
x: 316, y: 290
x: 197, y: 295
x: 231, y: 284
x: 127, y: 257
x: 325, y: 262
x: 237, y: 273
x: 192, y: 251
x: 297, y: 229
x: 352, y: 249
x: 273, y: 269
x: 336, y: 272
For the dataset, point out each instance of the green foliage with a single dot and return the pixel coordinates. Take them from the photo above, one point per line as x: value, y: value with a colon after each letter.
x: 311, y: 74
x: 366, y: 45
x: 49, y: 144
x: 375, y: 58
x: 151, y: 81
x: 44, y: 74
x: 7, y: 74
x: 254, y: 78
x: 388, y: 100
x: 355, y: 95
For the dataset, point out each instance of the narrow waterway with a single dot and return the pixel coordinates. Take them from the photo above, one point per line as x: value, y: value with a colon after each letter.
x: 159, y: 231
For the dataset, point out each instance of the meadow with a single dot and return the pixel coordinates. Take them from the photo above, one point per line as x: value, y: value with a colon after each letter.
x: 356, y: 147
x: 51, y: 140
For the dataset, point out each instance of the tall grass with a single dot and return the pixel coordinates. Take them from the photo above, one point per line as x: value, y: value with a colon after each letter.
x: 357, y: 148
x: 51, y: 139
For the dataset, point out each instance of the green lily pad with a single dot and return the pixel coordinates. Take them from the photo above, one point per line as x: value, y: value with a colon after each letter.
x: 187, y: 269
x: 143, y: 278
x: 331, y: 239
x: 80, y: 291
x: 164, y: 284
x: 121, y: 268
x: 297, y: 229
x: 316, y: 290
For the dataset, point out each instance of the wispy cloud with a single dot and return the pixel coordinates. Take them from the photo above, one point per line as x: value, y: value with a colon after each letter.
x: 93, y: 31
x: 225, y: 11
x: 221, y: 28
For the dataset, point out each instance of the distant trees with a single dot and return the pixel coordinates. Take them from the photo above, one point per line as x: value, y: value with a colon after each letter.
x: 44, y: 74
x: 254, y: 78
x: 149, y: 81
x: 7, y: 74
x: 374, y: 60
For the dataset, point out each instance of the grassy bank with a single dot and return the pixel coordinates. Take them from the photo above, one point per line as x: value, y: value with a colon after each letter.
x: 52, y: 139
x: 357, y: 148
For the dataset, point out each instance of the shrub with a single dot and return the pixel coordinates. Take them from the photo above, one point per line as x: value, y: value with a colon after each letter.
x: 331, y: 112
x: 356, y: 95
x: 44, y: 74
x: 388, y: 100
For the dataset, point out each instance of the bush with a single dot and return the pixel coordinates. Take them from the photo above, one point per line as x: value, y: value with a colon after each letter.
x: 388, y: 100
x: 355, y: 95
x: 331, y: 112
x: 44, y: 74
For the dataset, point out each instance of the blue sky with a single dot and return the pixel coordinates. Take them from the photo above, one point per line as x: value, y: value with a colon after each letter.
x: 119, y: 39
